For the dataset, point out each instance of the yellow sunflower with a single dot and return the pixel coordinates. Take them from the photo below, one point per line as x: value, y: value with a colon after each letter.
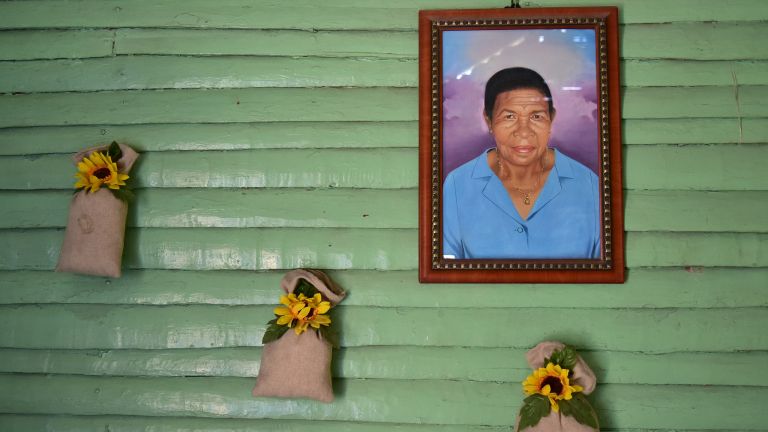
x: 551, y: 381
x: 96, y: 170
x: 295, y: 309
x: 319, y: 308
x: 301, y: 312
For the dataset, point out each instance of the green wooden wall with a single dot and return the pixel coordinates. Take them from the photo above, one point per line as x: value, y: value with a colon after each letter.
x: 279, y: 134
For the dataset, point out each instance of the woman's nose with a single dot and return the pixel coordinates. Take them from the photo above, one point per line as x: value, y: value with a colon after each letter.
x: 523, y: 129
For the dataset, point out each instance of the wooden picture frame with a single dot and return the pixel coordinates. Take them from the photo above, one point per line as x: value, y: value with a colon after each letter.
x: 468, y: 229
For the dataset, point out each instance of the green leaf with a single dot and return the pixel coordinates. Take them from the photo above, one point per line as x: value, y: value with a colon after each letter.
x: 306, y: 288
x: 274, y: 332
x: 330, y: 334
x: 534, y: 408
x: 114, y: 151
x: 124, y: 194
x: 580, y: 409
x: 565, y: 357
x: 568, y: 358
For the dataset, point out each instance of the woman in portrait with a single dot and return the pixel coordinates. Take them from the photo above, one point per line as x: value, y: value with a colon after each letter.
x: 521, y: 198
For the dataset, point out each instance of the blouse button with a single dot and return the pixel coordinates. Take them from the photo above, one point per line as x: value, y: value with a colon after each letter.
x: 519, y: 229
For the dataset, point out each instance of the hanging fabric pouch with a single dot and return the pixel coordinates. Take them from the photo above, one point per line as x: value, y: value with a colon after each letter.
x: 556, y: 392
x: 95, y: 233
x: 296, y: 358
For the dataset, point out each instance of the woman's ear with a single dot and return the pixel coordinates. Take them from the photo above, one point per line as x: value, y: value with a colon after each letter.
x: 552, y: 115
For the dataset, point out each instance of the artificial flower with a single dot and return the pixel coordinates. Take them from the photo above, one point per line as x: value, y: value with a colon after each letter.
x: 317, y: 320
x: 551, y: 381
x: 316, y: 302
x: 301, y: 326
x: 96, y: 170
x: 294, y: 310
x: 300, y: 312
x: 319, y: 308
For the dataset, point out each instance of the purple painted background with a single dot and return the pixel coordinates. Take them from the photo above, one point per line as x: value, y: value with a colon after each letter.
x: 564, y: 57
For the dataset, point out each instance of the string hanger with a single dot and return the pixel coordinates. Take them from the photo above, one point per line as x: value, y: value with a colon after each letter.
x: 514, y: 4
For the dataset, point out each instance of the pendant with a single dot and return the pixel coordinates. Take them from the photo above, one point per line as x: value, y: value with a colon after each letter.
x: 527, y: 199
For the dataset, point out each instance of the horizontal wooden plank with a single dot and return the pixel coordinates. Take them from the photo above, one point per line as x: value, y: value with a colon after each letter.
x: 686, y: 211
x: 91, y: 423
x: 641, y: 73
x: 692, y: 131
x: 347, y: 248
x: 245, y: 208
x: 644, y: 288
x: 231, y: 136
x: 63, y: 423
x: 336, y: 14
x: 230, y: 397
x: 692, y: 102
x: 49, y: 44
x: 326, y: 104
x: 387, y: 249
x: 695, y: 211
x: 449, y: 402
x: 655, y: 249
x: 647, y: 167
x: 716, y: 167
x: 244, y: 136
x: 697, y: 41
x: 330, y: 168
x: 76, y: 326
x: 67, y: 423
x: 236, y: 248
x: 173, y: 72
x: 209, y: 106
x: 380, y: 44
x: 168, y: 72
x: 386, y: 362
x: 700, y: 41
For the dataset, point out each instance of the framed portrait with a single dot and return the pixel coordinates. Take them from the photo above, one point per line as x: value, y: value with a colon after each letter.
x: 520, y: 146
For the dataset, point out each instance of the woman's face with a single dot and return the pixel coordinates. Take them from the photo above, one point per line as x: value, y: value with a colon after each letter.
x: 521, y: 125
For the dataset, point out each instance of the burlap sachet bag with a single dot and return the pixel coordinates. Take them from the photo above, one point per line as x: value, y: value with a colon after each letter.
x: 580, y: 375
x: 95, y: 233
x: 299, y: 366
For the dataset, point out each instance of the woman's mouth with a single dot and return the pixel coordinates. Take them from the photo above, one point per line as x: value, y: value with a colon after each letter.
x: 523, y: 149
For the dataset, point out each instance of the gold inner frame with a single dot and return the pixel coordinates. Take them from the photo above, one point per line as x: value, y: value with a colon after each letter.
x: 437, y: 261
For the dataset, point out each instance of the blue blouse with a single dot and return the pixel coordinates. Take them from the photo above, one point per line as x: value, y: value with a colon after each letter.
x: 480, y: 220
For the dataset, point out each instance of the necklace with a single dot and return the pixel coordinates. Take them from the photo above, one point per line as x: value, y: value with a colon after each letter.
x: 525, y: 193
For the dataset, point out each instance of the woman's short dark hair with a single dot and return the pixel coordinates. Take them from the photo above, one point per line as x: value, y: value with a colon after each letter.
x: 515, y: 78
